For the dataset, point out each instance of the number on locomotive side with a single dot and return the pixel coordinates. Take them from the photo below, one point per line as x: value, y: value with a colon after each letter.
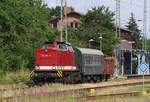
x: 57, y: 67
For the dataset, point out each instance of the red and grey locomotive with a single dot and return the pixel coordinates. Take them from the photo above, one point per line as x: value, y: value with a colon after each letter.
x: 60, y: 62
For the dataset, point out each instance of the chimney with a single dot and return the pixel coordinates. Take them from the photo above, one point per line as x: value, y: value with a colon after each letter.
x: 68, y: 10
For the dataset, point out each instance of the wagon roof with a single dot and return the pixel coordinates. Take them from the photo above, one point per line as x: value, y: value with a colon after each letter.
x: 90, y: 51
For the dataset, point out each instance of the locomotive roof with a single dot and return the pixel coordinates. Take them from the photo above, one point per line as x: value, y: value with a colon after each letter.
x: 58, y: 42
x: 90, y: 51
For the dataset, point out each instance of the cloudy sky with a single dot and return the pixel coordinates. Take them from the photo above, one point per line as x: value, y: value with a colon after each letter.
x: 127, y: 6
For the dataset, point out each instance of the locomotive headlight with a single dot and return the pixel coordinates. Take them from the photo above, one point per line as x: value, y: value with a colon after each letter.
x: 37, y: 67
x: 45, y: 50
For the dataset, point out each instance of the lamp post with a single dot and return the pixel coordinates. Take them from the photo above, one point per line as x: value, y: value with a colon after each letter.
x: 142, y: 33
x: 90, y: 42
x: 101, y: 42
x: 132, y: 42
x: 122, y: 57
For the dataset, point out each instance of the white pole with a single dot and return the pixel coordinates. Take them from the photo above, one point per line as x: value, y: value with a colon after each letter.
x: 101, y: 45
x: 66, y: 24
x: 61, y: 27
x: 145, y: 26
x: 143, y: 81
x: 100, y: 38
x: 131, y: 61
x: 122, y: 66
x: 89, y: 44
x: 131, y: 71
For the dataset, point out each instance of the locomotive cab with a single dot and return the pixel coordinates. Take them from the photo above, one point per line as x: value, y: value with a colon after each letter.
x: 54, y: 56
x: 58, y: 45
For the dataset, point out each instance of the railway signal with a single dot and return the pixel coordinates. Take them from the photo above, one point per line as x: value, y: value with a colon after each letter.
x: 143, y: 67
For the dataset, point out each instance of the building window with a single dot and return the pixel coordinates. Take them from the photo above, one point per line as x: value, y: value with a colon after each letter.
x: 71, y: 24
x: 54, y: 25
x: 76, y: 25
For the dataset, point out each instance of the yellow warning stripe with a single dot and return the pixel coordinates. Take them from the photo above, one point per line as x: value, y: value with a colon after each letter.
x: 31, y: 73
x: 59, y: 73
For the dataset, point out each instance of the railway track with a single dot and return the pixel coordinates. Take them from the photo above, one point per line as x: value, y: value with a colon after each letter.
x: 116, y: 85
x: 25, y: 91
x: 13, y: 87
x: 127, y: 94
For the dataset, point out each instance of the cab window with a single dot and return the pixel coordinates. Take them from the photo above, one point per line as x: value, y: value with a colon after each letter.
x: 63, y: 47
x: 48, y: 45
x: 70, y: 48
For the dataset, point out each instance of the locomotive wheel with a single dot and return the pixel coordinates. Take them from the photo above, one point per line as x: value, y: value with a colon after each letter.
x: 95, y: 79
x: 101, y: 77
x: 79, y: 78
x: 39, y: 81
x: 72, y: 78
x: 67, y: 79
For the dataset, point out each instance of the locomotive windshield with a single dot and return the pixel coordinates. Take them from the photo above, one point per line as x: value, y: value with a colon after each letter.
x: 70, y: 48
x: 62, y: 46
x: 47, y: 45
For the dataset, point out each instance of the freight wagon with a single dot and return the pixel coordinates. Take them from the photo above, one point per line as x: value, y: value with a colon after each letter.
x: 109, y: 67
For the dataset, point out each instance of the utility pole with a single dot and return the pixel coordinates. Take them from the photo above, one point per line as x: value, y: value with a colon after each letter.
x: 61, y: 17
x: 118, y: 18
x: 144, y: 46
x: 118, y: 62
x: 66, y: 24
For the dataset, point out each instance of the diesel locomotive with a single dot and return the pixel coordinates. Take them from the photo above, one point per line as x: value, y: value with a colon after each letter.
x: 60, y: 62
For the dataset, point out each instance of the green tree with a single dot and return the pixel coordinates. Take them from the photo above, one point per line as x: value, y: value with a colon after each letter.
x: 55, y: 12
x: 148, y: 45
x: 23, y: 28
x: 76, y: 37
x: 132, y: 26
x: 99, y: 22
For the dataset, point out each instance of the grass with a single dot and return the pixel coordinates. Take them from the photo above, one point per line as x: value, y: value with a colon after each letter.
x: 43, y: 99
x: 123, y: 89
x: 15, y: 77
x: 67, y: 99
x: 122, y: 99
x: 20, y: 77
x: 132, y: 88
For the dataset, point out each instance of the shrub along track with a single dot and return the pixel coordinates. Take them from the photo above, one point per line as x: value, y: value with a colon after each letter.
x: 47, y: 91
